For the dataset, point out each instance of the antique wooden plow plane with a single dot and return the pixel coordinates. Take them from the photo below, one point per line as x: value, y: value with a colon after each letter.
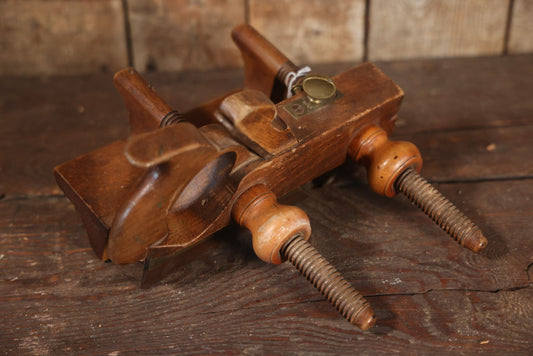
x: 181, y: 177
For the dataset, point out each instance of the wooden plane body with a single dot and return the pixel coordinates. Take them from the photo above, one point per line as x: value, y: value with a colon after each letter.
x: 153, y: 205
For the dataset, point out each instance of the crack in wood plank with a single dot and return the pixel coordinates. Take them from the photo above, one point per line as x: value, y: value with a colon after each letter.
x: 528, y: 274
x: 369, y: 296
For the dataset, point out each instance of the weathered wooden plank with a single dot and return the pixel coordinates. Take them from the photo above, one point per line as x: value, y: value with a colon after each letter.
x: 473, y: 322
x: 462, y: 322
x: 465, y: 93
x: 312, y: 31
x: 70, y: 116
x: 58, y: 37
x: 520, y: 39
x: 158, y: 321
x: 382, y: 246
x: 361, y: 233
x: 67, y: 117
x: 429, y: 294
x: 178, y: 35
x: 422, y: 29
x: 493, y: 153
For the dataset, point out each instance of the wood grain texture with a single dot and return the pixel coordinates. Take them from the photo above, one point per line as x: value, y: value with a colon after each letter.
x: 82, y: 114
x: 520, y: 39
x: 312, y: 31
x: 58, y: 37
x: 177, y: 35
x: 492, y: 153
x: 320, y: 137
x: 431, y: 86
x: 429, y: 294
x: 422, y: 29
x: 89, y: 113
x: 405, y: 229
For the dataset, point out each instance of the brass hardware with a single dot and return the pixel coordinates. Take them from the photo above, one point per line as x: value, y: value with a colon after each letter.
x: 174, y: 183
x: 318, y: 88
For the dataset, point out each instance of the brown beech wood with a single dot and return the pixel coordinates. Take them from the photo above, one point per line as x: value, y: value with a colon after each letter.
x: 430, y: 296
x: 146, y: 108
x: 272, y: 224
x: 265, y: 67
x: 394, y: 166
x: 177, y: 153
x: 161, y: 146
x: 252, y: 118
x: 321, y: 137
x: 281, y: 232
x: 384, y: 159
x: 191, y: 177
x: 192, y: 180
x: 97, y: 183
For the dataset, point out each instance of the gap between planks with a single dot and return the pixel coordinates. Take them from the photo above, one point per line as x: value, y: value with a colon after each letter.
x: 370, y: 296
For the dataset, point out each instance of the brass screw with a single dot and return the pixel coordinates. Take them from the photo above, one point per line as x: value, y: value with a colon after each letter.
x: 440, y: 210
x: 328, y: 281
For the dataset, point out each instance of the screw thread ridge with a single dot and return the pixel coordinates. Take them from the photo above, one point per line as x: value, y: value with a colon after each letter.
x: 172, y: 118
x: 445, y: 214
x: 327, y: 280
x: 284, y: 71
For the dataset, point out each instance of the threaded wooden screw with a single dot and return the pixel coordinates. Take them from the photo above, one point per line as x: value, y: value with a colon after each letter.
x: 440, y: 210
x: 279, y: 232
x: 328, y: 281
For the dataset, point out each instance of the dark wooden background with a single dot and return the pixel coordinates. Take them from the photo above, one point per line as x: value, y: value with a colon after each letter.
x: 472, y: 120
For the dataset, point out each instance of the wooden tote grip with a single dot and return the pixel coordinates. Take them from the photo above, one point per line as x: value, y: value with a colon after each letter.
x: 271, y: 223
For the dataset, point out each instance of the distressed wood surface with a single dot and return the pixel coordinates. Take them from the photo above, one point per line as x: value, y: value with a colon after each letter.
x: 64, y: 113
x: 58, y: 37
x: 179, y: 35
x: 314, y: 31
x: 422, y: 29
x: 430, y: 295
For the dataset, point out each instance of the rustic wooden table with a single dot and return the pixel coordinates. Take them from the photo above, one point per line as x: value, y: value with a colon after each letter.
x: 473, y: 122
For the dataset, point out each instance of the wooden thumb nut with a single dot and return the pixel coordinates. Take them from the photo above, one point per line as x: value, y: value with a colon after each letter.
x: 384, y: 159
x: 271, y: 224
